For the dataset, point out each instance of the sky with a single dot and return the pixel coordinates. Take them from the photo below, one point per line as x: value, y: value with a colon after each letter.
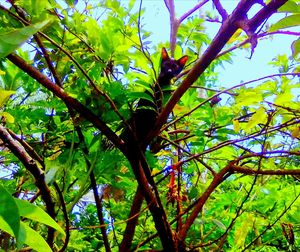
x: 156, y: 20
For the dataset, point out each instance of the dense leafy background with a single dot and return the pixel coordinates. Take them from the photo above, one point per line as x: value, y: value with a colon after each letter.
x: 234, y: 151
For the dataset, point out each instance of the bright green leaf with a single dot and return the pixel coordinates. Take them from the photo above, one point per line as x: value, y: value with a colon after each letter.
x: 10, y: 41
x: 33, y: 212
x: 193, y: 193
x: 9, y: 211
x: 35, y: 240
x: 138, y: 95
x: 241, y: 232
x: 286, y: 22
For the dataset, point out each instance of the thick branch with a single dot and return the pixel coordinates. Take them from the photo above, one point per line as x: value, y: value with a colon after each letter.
x: 174, y: 24
x: 161, y: 223
x: 265, y: 13
x: 228, y: 28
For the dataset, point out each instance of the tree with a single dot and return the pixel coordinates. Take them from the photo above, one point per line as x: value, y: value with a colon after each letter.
x: 221, y: 172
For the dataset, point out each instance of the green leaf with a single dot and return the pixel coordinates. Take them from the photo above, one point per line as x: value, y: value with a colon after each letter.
x: 9, y: 212
x: 219, y: 224
x: 140, y: 95
x: 51, y: 174
x: 34, y: 212
x: 286, y: 22
x: 31, y: 237
x: 193, y: 193
x: 290, y: 6
x: 241, y: 231
x: 10, y: 41
x: 35, y: 240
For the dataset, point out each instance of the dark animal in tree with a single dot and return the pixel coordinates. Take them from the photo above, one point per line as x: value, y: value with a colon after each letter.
x: 145, y: 115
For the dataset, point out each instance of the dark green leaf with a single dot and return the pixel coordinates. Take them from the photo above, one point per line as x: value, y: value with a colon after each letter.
x: 9, y: 211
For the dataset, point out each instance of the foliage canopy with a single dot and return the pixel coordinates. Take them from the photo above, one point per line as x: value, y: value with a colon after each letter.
x: 222, y: 170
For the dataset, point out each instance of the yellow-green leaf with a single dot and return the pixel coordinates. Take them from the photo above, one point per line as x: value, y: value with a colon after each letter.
x: 290, y: 21
x: 241, y: 231
x: 4, y: 96
x: 9, y: 118
x: 236, y: 125
x: 260, y: 116
x: 35, y: 240
x: 284, y: 98
x: 235, y: 36
x: 290, y: 6
x: 248, y: 97
x: 219, y: 224
x: 295, y: 132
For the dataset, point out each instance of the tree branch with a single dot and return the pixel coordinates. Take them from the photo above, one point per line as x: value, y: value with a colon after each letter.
x: 30, y: 164
x: 159, y: 216
x: 198, y: 204
x: 132, y: 222
x: 228, y: 28
x: 191, y: 11
x: 220, y: 9
x: 249, y: 171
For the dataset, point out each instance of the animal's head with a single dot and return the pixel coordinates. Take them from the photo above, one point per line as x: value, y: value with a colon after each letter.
x: 169, y: 66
